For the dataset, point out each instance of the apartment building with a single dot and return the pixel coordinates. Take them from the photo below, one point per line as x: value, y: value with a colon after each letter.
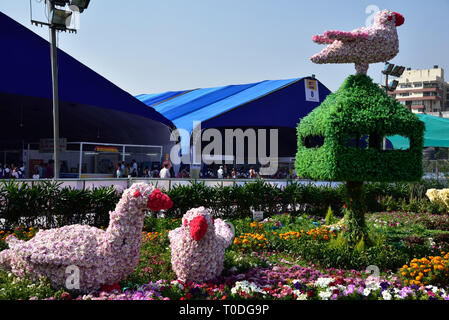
x: 423, y: 91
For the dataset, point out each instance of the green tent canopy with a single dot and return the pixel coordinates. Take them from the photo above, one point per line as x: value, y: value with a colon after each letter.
x: 435, y: 135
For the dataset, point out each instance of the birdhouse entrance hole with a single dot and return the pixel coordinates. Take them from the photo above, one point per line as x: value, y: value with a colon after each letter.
x: 313, y: 141
x: 404, y: 142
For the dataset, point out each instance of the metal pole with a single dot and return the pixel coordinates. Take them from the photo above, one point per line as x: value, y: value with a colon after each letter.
x: 81, y: 160
x: 54, y: 70
x: 384, y: 142
x: 28, y: 173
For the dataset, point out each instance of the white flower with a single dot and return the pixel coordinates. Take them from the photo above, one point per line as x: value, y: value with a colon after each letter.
x: 325, y: 295
x: 299, y: 295
x: 302, y: 297
x: 246, y: 286
x: 372, y: 284
x: 366, y: 292
x: 386, y: 295
x: 177, y: 283
x: 323, y: 282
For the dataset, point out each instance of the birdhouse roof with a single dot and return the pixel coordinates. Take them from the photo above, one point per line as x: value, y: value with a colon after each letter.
x: 359, y: 108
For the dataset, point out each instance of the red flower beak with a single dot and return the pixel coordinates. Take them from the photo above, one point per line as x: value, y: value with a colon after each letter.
x: 399, y: 19
x: 198, y: 228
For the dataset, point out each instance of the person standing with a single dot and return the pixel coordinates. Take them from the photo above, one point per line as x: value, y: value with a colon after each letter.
x: 7, y: 172
x: 42, y: 170
x: 234, y: 174
x: 252, y: 173
x: 118, y: 172
x: 122, y: 169
x: 15, y: 174
x: 165, y: 173
x: 220, y: 173
x: 50, y: 169
x: 134, y: 168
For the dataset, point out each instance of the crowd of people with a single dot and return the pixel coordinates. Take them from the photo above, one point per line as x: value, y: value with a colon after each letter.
x: 45, y: 170
x: 238, y: 172
x: 126, y: 170
x: 11, y: 171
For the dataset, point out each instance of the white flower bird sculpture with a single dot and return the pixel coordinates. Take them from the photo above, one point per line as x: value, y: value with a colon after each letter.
x: 102, y: 257
x: 377, y: 43
x: 198, y: 246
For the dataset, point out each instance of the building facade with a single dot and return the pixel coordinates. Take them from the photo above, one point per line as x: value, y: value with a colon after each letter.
x: 424, y: 91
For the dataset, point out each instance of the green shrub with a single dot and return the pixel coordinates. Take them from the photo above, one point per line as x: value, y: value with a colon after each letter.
x: 47, y: 205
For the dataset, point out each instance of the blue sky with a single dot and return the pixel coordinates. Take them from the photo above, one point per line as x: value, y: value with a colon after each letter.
x: 149, y: 46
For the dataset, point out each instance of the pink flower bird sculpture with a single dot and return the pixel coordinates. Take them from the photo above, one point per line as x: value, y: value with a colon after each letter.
x: 102, y: 257
x: 377, y: 43
x: 198, y: 246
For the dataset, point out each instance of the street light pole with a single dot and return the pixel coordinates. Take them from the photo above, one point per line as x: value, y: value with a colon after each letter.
x: 54, y: 71
x: 394, y: 71
x: 58, y: 19
x: 384, y: 141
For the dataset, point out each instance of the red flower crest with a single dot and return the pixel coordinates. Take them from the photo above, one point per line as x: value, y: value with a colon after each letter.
x: 159, y: 201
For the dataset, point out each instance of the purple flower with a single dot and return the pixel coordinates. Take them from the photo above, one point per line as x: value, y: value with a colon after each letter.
x: 384, y: 285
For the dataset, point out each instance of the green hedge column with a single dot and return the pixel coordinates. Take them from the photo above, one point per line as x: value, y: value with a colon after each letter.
x: 330, y: 146
x: 355, y: 213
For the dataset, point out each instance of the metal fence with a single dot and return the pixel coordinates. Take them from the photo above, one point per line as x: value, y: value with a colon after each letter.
x: 433, y: 169
x: 436, y: 169
x: 167, y: 184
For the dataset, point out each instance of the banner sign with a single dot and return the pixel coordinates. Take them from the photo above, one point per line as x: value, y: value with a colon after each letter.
x: 105, y: 149
x: 312, y: 93
x: 47, y: 145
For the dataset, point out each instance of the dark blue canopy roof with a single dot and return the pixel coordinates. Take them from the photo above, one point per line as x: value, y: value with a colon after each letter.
x: 270, y: 103
x: 25, y: 71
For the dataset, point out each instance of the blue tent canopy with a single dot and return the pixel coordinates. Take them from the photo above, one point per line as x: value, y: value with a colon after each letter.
x: 269, y: 103
x: 26, y: 72
x: 155, y: 98
x: 266, y: 104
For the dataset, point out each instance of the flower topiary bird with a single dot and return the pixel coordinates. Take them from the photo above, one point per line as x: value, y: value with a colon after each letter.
x: 102, y: 257
x: 198, y: 246
x: 377, y: 43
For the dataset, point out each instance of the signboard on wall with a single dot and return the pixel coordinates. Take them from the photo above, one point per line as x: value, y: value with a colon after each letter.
x: 105, y: 149
x: 312, y: 93
x: 47, y: 145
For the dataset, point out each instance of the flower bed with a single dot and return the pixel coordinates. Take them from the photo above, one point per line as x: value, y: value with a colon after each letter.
x: 285, y: 283
x: 282, y: 257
